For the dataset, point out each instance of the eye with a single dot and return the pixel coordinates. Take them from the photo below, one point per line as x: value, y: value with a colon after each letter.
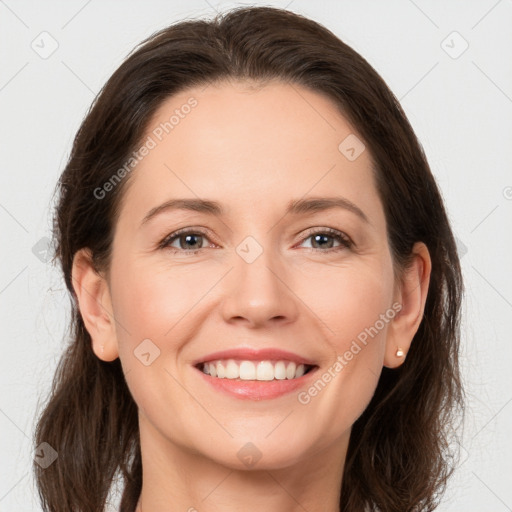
x: 321, y: 239
x: 188, y: 241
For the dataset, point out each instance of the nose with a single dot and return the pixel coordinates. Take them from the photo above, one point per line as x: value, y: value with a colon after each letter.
x: 260, y: 293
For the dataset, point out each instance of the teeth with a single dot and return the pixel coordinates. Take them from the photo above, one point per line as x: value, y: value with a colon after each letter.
x: 265, y: 371
x: 254, y: 370
x: 247, y: 370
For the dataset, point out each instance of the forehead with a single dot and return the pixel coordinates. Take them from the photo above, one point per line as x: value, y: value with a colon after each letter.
x: 248, y: 143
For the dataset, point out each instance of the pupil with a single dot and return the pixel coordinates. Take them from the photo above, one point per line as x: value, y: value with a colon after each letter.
x: 316, y: 237
x: 188, y: 237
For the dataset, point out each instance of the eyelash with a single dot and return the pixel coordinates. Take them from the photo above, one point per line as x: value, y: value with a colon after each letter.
x: 346, y: 242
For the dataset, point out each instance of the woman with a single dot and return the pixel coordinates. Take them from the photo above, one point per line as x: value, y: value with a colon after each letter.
x: 216, y: 361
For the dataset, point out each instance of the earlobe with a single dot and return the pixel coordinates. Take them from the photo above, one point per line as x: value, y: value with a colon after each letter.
x: 412, y: 297
x: 94, y: 303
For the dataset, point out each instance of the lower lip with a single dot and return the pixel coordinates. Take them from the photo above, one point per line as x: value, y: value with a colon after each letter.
x: 256, y: 389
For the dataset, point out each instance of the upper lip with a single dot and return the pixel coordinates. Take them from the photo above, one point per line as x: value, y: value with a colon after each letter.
x: 252, y: 354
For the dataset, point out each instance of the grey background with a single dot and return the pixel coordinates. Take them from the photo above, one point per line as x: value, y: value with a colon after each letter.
x: 458, y: 101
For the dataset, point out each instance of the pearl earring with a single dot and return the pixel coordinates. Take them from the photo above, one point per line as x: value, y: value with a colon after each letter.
x: 399, y: 352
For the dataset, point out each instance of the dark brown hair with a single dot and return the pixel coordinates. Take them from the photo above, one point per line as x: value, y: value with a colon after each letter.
x: 400, y: 454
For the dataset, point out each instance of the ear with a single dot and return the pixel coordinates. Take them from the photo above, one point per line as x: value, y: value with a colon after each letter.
x: 95, y: 306
x: 411, y: 295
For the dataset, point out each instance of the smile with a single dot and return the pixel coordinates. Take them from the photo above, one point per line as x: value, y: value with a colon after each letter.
x: 266, y: 370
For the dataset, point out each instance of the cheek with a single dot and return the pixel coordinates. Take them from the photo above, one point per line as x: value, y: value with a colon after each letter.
x: 159, y: 310
x: 154, y: 308
x: 349, y: 300
x: 151, y: 300
x: 355, y: 308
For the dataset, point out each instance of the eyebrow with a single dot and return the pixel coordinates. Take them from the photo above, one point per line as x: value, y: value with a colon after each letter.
x: 294, y: 207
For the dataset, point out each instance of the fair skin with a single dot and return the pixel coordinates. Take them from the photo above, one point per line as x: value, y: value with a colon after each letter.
x: 253, y: 150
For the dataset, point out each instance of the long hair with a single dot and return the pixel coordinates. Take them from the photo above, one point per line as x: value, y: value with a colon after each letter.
x: 400, y: 455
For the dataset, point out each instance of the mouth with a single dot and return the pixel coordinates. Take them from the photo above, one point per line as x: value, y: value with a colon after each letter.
x: 254, y: 370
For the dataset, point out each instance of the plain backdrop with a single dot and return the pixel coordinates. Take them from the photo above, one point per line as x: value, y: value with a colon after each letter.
x: 450, y: 65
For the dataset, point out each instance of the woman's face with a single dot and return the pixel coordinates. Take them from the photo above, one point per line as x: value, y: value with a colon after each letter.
x: 260, y: 283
